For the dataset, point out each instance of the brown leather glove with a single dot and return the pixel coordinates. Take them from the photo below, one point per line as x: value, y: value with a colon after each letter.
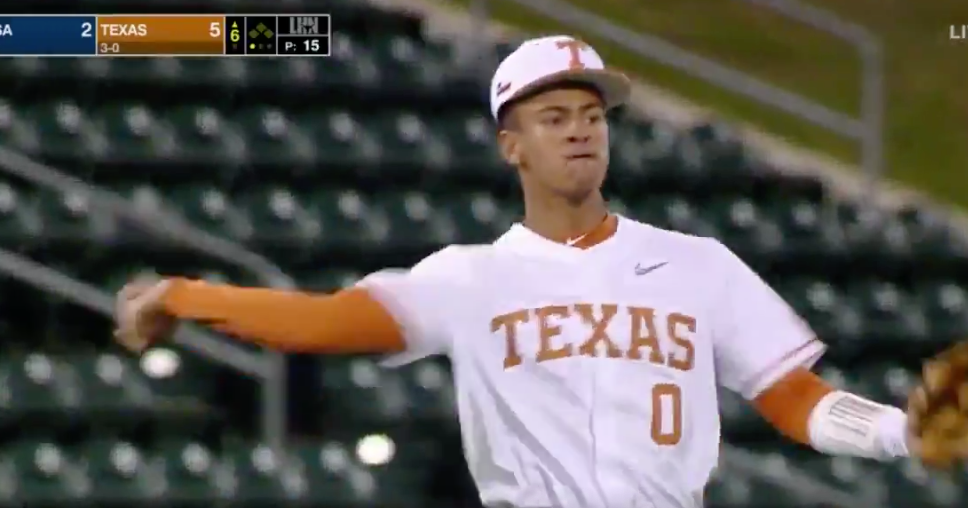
x: 938, y: 409
x: 139, y: 315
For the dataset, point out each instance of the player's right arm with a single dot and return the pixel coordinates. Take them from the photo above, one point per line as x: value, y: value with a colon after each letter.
x: 389, y: 312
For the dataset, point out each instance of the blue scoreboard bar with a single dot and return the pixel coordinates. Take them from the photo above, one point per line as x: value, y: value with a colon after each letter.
x: 48, y: 35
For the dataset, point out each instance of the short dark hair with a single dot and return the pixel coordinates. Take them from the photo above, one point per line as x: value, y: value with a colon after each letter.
x: 504, y: 120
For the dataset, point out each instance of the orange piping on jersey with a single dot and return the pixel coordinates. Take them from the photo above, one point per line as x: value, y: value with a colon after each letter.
x: 350, y: 321
x: 755, y: 380
x: 603, y: 231
x: 787, y: 404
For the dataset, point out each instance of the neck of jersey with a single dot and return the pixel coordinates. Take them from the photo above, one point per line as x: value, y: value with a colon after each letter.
x: 603, y: 231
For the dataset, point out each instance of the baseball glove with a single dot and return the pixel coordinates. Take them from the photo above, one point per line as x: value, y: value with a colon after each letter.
x: 938, y: 409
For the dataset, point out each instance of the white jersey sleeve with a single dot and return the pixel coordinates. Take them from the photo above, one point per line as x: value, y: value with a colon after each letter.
x: 757, y: 337
x: 418, y: 299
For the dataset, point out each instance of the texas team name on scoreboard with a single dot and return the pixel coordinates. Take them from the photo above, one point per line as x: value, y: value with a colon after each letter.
x: 165, y: 35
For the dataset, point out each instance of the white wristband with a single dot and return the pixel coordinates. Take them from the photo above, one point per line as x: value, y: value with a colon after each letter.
x: 845, y: 424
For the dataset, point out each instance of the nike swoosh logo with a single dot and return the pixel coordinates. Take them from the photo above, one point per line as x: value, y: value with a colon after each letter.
x: 639, y: 270
x: 573, y: 241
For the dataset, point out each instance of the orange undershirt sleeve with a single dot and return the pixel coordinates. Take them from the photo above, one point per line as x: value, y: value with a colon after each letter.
x: 349, y: 321
x: 787, y: 404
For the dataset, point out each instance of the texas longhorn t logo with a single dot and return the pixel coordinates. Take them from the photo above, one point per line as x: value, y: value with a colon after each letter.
x: 574, y: 47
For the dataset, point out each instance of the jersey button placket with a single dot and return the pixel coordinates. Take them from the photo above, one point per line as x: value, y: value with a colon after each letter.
x: 601, y: 379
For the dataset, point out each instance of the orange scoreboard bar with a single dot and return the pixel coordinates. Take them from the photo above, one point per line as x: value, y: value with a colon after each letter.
x: 173, y: 35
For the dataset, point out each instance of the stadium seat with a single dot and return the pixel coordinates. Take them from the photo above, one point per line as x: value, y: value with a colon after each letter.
x: 212, y: 209
x: 135, y: 134
x: 42, y: 472
x: 281, y: 218
x: 743, y: 226
x: 119, y: 471
x: 36, y: 382
x: 360, y: 387
x: 256, y: 474
x: 19, y: 220
x: 190, y: 472
x: 946, y: 306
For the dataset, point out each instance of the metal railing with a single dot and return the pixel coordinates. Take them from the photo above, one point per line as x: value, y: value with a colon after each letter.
x: 268, y: 366
x: 866, y: 128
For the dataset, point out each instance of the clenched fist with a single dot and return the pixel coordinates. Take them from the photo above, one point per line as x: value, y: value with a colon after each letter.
x: 139, y: 316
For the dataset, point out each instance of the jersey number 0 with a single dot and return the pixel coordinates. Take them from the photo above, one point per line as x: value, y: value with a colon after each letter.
x: 666, y: 425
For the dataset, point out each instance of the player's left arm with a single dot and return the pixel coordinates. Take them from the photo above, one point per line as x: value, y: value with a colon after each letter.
x: 803, y: 407
x: 764, y: 351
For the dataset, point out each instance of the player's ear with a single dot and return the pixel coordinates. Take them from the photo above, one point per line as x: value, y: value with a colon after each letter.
x: 510, y: 147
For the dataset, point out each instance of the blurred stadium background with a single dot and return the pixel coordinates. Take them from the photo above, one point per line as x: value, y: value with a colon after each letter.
x: 311, y: 172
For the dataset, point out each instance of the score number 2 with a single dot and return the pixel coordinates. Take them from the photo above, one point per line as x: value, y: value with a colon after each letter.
x: 86, y: 29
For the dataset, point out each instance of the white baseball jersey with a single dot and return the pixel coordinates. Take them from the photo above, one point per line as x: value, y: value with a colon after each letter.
x: 588, y: 377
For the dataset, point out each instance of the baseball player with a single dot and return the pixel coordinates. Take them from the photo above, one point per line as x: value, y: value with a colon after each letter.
x: 587, y: 347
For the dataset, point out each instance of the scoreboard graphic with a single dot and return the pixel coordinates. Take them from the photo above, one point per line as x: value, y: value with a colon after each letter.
x: 175, y: 35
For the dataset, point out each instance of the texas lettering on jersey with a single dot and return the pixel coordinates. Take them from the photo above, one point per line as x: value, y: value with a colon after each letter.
x: 641, y: 341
